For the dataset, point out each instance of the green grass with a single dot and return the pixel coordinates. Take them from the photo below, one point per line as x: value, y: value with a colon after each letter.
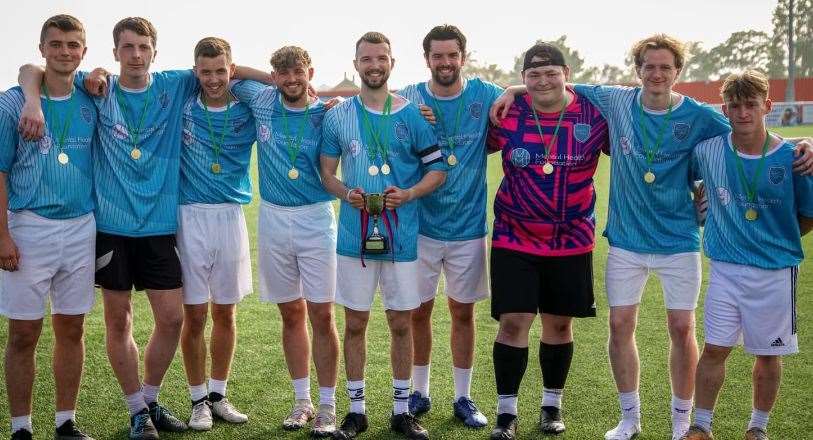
x: 260, y: 385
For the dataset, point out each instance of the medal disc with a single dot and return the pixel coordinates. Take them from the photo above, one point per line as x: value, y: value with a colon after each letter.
x: 547, y: 168
x: 373, y: 170
x: 649, y: 177
x: 216, y: 168
x: 293, y: 173
x: 385, y: 169
x: 135, y: 153
x: 62, y: 158
x: 751, y: 214
x: 452, y: 160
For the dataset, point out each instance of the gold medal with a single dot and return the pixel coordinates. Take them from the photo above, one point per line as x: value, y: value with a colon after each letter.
x: 649, y: 177
x: 62, y: 158
x: 385, y: 169
x: 216, y: 168
x: 373, y: 170
x: 452, y: 159
x: 547, y: 168
x: 751, y: 214
x: 293, y: 174
x: 135, y: 153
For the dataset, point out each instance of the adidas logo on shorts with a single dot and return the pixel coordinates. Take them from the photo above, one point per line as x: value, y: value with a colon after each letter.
x: 777, y: 343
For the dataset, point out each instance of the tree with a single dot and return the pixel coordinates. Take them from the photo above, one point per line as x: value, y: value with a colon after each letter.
x: 803, y: 38
x: 742, y: 50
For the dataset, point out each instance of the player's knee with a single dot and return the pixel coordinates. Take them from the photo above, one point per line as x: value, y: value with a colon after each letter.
x: 714, y: 355
x: 422, y: 314
x: 169, y: 322
x: 681, y: 330
x: 321, y: 318
x: 194, y: 322
x: 462, y: 314
x: 512, y: 330
x: 23, y: 339
x: 768, y: 367
x: 621, y: 327
x: 223, y: 320
x: 355, y: 327
x: 71, y: 333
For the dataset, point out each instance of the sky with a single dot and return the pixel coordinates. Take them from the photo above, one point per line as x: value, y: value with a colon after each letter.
x: 602, y: 31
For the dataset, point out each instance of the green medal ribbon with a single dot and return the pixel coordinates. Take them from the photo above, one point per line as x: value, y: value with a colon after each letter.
x: 751, y: 185
x: 66, y: 123
x: 380, y: 141
x: 294, y: 146
x: 449, y: 137
x: 216, y: 145
x: 134, y: 134
x: 555, y: 131
x: 651, y: 152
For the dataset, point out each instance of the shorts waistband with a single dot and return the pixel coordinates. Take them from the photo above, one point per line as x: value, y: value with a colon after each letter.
x: 211, y: 206
x: 301, y: 208
x: 38, y: 218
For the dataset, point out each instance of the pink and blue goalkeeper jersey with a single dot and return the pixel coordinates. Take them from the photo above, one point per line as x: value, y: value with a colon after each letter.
x: 547, y: 214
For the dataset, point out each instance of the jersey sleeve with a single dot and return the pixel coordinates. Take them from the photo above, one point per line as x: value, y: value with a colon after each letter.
x: 249, y: 91
x: 186, y: 82
x: 493, y: 91
x: 425, y: 143
x: 716, y: 124
x: 329, y: 145
x: 8, y: 141
x: 597, y: 94
x: 803, y: 193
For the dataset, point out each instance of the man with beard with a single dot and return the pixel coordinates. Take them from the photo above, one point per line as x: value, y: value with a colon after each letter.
x: 47, y: 229
x: 297, y: 230
x: 218, y: 133
x: 453, y: 218
x: 390, y: 157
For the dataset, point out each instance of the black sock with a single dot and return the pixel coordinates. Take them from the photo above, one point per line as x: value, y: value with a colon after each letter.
x: 555, y: 362
x: 509, y: 367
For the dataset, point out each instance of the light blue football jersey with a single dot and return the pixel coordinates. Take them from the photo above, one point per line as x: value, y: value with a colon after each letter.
x: 771, y: 241
x: 457, y: 209
x: 234, y: 124
x: 412, y: 150
x: 274, y: 141
x: 138, y: 198
x: 36, y: 180
x: 659, y: 217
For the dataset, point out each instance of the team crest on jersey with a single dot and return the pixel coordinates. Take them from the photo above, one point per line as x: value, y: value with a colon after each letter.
x: 476, y: 109
x: 355, y: 147
x: 626, y: 147
x: 120, y: 132
x: 520, y: 157
x: 401, y: 131
x: 316, y: 121
x: 776, y: 174
x: 237, y: 125
x: 164, y: 100
x: 45, y: 144
x: 87, y: 114
x: 187, y: 137
x: 723, y: 195
x: 681, y: 130
x: 581, y: 132
x: 264, y: 133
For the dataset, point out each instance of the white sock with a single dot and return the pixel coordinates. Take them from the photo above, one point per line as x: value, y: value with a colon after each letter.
x: 759, y: 419
x: 135, y: 402
x: 400, y: 396
x: 507, y: 404
x: 21, y: 422
x: 327, y: 396
x: 218, y: 386
x: 302, y: 388
x: 630, y: 406
x: 197, y: 392
x: 703, y: 417
x: 420, y: 379
x: 552, y: 397
x: 150, y: 392
x: 61, y: 417
x: 355, y: 392
x: 681, y: 414
x: 462, y: 382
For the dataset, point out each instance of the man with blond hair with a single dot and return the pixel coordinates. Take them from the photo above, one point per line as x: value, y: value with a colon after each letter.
x: 47, y: 229
x: 758, y: 209
x: 218, y: 133
x: 297, y: 231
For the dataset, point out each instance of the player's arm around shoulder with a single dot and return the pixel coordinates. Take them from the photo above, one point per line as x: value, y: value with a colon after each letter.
x: 9, y: 254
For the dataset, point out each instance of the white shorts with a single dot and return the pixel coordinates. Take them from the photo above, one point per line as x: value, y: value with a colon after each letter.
x: 297, y: 252
x: 463, y: 264
x: 627, y: 272
x: 57, y: 260
x: 356, y: 285
x: 754, y: 304
x: 214, y: 252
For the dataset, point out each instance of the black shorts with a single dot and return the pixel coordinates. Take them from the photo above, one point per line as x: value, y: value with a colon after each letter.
x: 141, y: 262
x: 525, y: 283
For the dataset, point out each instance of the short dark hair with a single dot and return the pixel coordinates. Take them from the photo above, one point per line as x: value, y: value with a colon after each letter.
x: 741, y: 86
x: 373, y: 37
x: 444, y: 32
x: 288, y: 57
x: 140, y: 26
x: 63, y: 22
x: 212, y: 47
